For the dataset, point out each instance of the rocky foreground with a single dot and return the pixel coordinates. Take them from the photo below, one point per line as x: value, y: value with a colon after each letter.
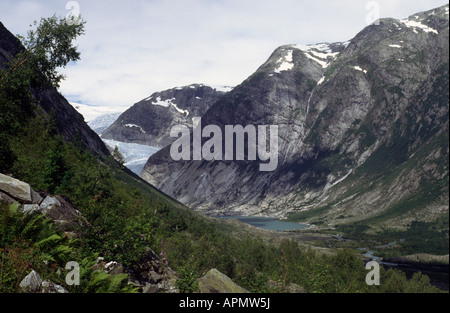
x: 150, y: 275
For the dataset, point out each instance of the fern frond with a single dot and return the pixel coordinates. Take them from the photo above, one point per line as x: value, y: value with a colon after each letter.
x: 29, y: 226
x: 115, y: 282
x: 46, y: 243
x: 60, y: 252
x: 99, y: 278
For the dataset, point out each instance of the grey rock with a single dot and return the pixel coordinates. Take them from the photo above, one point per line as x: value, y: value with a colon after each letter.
x: 114, y: 268
x: 216, y: 282
x: 31, y: 208
x: 61, y: 210
x: 152, y: 275
x: 150, y: 289
x: 15, y: 188
x: 5, y: 198
x: 36, y: 198
x: 31, y: 283
x: 50, y: 287
x: 49, y: 204
x: 66, y: 217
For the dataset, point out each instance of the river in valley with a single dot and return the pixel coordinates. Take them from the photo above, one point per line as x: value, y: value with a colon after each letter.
x: 438, y: 273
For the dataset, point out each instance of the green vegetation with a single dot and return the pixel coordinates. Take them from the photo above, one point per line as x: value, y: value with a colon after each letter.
x: 31, y: 242
x: 123, y: 225
x: 368, y: 138
x: 423, y: 237
x: 125, y: 215
x: 188, y: 281
x: 46, y: 49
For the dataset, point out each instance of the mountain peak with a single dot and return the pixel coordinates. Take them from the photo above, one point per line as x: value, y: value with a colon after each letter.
x: 358, y: 123
x: 149, y: 121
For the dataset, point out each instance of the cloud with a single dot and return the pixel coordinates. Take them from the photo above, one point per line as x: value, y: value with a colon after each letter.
x: 134, y: 48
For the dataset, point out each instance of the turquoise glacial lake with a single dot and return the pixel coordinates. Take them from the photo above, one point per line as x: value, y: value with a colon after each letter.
x: 269, y: 223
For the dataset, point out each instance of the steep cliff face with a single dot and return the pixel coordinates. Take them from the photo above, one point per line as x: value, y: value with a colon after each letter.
x: 149, y: 121
x: 69, y: 123
x: 362, y: 127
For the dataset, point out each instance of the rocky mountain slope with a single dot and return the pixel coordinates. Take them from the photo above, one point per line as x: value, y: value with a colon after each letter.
x: 362, y: 127
x: 149, y: 121
x: 69, y: 123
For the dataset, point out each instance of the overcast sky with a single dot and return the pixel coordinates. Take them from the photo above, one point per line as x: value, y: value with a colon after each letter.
x: 136, y: 47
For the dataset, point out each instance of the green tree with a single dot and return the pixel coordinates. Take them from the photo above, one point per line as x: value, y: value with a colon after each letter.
x: 55, y: 170
x: 50, y: 47
x: 47, y: 48
x: 118, y: 156
x: 420, y: 283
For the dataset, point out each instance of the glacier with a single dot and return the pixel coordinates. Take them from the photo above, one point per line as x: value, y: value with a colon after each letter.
x: 135, y: 155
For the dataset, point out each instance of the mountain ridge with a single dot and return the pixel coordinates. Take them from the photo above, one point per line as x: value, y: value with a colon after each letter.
x: 339, y: 114
x: 149, y: 121
x: 69, y: 123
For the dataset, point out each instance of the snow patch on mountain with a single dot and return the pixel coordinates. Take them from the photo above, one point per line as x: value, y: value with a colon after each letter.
x: 415, y: 24
x: 320, y: 53
x: 358, y: 68
x: 163, y: 103
x: 180, y: 110
x: 134, y: 125
x: 321, y: 80
x: 170, y: 102
x: 222, y: 88
x: 285, y: 63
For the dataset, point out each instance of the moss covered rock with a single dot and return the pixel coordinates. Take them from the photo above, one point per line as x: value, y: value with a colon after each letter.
x: 217, y: 282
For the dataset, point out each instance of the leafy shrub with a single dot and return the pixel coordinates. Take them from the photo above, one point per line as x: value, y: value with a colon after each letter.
x: 188, y: 279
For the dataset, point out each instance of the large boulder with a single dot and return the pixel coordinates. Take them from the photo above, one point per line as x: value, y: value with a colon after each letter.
x: 49, y: 204
x: 63, y: 213
x: 58, y: 208
x: 217, y: 282
x: 15, y: 188
x: 6, y: 199
x: 32, y: 283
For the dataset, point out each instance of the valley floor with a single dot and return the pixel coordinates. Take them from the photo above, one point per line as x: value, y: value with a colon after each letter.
x: 436, y: 267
